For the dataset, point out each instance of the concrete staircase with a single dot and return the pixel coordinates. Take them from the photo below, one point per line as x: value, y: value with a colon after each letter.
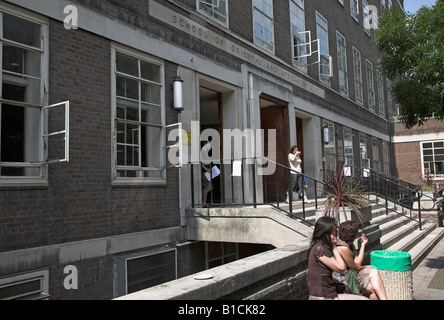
x: 397, y: 231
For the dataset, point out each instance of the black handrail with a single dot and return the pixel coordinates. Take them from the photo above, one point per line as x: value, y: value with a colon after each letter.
x: 389, y: 188
x: 252, y: 162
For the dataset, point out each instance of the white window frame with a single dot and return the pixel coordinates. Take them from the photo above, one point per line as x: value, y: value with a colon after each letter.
x: 381, y: 96
x: 357, y: 71
x: 370, y: 86
x: 324, y: 51
x: 262, y: 41
x: 354, y: 9
x: 299, y: 36
x: 41, y: 294
x: 330, y: 148
x: 363, y: 151
x: 212, y: 10
x: 376, y: 155
x: 436, y: 177
x: 42, y: 163
x: 342, y: 61
x: 349, y: 156
x: 121, y: 267
x: 164, y: 146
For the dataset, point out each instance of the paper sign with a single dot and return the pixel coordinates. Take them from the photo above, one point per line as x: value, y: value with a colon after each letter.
x: 237, y: 168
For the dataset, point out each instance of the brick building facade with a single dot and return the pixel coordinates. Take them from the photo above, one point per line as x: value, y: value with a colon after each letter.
x: 116, y: 204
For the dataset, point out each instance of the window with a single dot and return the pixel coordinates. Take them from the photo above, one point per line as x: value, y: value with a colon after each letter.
x: 297, y: 16
x: 381, y: 101
x: 354, y: 9
x: 433, y: 158
x: 390, y: 4
x: 325, y: 63
x: 342, y: 64
x: 341, y: 2
x: 358, y: 76
x: 28, y: 129
x: 216, y: 9
x: 30, y: 286
x: 330, y: 148
x: 383, y: 6
x: 386, y: 157
x: 138, y: 272
x: 376, y: 158
x: 348, y: 149
x: 363, y: 146
x: 139, y: 118
x: 371, y: 87
x: 263, y: 23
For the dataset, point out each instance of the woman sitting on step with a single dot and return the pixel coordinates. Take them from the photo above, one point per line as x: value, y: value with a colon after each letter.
x: 361, y: 279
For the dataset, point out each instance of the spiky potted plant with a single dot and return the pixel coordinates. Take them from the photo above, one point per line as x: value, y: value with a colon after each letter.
x: 345, y: 195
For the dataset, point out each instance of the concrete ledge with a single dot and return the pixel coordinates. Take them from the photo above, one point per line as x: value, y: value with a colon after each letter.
x: 276, y: 273
x: 245, y: 225
x: 24, y: 260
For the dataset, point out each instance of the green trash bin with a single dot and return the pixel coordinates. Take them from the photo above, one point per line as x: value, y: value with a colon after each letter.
x: 395, y: 270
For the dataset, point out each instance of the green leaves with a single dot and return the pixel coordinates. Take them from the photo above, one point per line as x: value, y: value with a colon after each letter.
x: 413, y: 58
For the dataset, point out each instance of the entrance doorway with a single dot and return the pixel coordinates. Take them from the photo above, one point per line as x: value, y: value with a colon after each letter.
x: 274, y: 115
x: 211, y: 115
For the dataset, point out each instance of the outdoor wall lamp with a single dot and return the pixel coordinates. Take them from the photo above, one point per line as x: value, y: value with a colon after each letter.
x: 178, y: 93
x: 325, y: 134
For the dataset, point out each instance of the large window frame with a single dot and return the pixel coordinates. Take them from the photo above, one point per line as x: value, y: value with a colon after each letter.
x: 322, y: 35
x: 371, y: 87
x: 357, y: 68
x: 24, y: 113
x: 299, y: 37
x: 138, y: 118
x: 432, y: 158
x: 263, y: 24
x: 342, y: 63
x: 348, y: 149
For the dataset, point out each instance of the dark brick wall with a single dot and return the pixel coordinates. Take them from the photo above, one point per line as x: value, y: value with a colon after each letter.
x: 80, y: 202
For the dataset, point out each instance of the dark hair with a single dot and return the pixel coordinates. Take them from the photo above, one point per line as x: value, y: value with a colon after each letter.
x: 322, y: 231
x: 347, y: 230
x: 292, y: 148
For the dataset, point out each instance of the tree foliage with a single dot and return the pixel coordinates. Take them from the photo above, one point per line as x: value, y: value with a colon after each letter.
x: 413, y: 59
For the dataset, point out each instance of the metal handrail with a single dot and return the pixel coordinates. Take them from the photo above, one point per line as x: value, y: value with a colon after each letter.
x: 255, y: 203
x: 384, y: 186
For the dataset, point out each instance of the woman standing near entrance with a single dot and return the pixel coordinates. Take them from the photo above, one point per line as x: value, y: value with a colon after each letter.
x: 295, y: 162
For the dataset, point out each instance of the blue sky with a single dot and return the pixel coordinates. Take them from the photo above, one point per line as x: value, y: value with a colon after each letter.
x: 413, y: 5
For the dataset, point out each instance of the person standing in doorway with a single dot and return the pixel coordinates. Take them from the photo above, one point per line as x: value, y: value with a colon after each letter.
x: 296, y: 181
x: 206, y: 184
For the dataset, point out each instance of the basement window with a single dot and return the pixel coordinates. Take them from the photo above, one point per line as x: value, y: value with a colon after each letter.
x: 31, y: 286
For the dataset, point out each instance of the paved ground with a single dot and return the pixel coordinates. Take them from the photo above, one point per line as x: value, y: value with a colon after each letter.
x: 428, y: 277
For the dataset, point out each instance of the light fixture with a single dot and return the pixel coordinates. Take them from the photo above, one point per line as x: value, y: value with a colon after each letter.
x: 326, y: 136
x: 178, y: 93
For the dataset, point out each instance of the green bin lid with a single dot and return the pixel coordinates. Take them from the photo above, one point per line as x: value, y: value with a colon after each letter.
x: 391, y: 260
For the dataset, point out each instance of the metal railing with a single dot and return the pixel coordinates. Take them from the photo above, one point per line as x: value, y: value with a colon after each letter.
x: 248, y: 188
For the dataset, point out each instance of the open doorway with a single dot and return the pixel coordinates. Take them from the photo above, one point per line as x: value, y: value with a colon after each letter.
x: 211, y: 118
x: 274, y: 115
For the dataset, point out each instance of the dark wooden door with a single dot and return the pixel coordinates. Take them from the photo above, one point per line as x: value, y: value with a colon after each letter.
x: 276, y: 117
